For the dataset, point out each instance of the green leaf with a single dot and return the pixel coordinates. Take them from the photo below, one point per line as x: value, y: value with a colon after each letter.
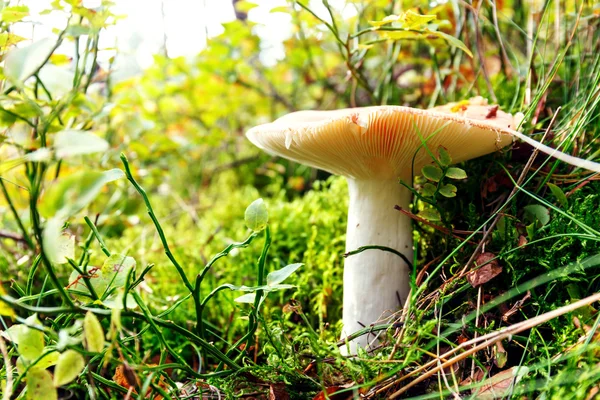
x: 559, y: 194
x: 93, y: 333
x: 453, y: 41
x: 456, y: 173
x: 432, y: 172
x: 74, y: 192
x: 73, y: 142
x: 49, y: 359
x: 402, y: 35
x: 118, y: 263
x: 14, y: 14
x: 256, y: 215
x: 246, y: 298
x: 428, y: 190
x: 282, y: 274
x: 537, y: 212
x: 444, y: 157
x: 69, y: 366
x: 430, y: 214
x: 35, y: 156
x: 448, y: 190
x: 40, y: 386
x: 21, y: 63
x: 58, y: 245
x: 29, y: 341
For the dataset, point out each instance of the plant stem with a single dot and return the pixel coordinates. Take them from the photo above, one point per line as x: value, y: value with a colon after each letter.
x: 16, y: 216
x: 157, y: 225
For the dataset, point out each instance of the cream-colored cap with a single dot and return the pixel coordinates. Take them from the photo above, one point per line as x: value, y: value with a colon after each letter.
x: 380, y: 142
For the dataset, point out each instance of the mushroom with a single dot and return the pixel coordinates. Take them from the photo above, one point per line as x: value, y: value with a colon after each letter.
x: 374, y: 147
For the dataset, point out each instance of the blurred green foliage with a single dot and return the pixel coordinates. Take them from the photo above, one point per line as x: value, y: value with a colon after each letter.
x: 182, y: 122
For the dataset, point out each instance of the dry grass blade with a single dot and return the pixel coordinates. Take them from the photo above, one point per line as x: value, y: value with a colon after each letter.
x: 488, y: 340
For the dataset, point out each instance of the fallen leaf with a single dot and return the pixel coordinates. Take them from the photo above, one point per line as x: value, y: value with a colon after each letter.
x: 522, y: 241
x: 501, y: 384
x: 593, y: 392
x: 125, y: 377
x: 277, y: 391
x: 333, y: 395
x: 487, y: 272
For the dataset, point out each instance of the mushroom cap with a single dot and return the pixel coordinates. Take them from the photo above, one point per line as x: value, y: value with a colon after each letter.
x: 381, y: 142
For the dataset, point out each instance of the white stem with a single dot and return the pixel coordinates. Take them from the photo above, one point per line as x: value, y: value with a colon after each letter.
x: 375, y: 281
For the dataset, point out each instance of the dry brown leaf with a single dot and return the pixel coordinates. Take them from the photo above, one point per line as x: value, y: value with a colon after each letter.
x: 487, y: 272
x: 333, y: 395
x: 277, y: 391
x: 593, y: 392
x: 125, y: 377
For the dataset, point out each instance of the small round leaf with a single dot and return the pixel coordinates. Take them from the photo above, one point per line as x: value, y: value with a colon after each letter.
x: 456, y: 173
x: 29, y: 341
x: 432, y: 172
x: 39, y: 385
x: 69, y: 366
x: 256, y: 215
x: 448, y: 190
x: 430, y: 214
x: 444, y: 157
x: 428, y: 190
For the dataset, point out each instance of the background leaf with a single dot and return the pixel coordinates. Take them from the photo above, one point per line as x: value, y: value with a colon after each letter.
x: 72, y: 142
x: 430, y: 214
x: 537, y: 212
x: 30, y: 342
x: 69, y: 366
x: 559, y: 194
x: 93, y: 333
x: 40, y: 385
x: 282, y: 274
x: 21, y: 63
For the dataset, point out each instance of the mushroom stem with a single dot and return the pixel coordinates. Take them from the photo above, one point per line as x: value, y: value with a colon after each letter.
x: 375, y: 281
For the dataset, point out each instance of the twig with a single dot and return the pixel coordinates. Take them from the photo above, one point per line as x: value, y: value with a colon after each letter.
x: 437, y: 227
x: 12, y: 236
x: 8, y: 368
x: 487, y: 340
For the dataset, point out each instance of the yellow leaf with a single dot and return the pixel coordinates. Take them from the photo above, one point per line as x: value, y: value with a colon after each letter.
x: 4, y: 307
x: 413, y: 20
x: 402, y: 34
x: 244, y: 6
x: 387, y: 20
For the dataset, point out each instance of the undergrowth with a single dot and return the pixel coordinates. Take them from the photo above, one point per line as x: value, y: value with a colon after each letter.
x: 121, y: 303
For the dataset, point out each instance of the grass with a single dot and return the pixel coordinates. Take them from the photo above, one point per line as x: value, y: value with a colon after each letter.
x: 533, y: 328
